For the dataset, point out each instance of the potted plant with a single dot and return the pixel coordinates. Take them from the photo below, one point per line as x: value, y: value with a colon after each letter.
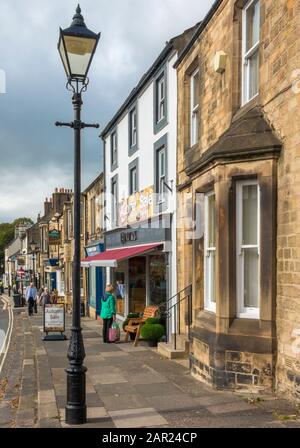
x: 152, y: 333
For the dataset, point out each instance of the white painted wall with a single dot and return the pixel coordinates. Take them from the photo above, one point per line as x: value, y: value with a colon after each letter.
x: 145, y: 154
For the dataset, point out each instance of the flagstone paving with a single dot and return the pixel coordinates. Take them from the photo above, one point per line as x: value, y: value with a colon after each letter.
x: 126, y: 387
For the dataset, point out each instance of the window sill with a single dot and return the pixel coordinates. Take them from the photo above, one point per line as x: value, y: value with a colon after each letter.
x: 251, y: 104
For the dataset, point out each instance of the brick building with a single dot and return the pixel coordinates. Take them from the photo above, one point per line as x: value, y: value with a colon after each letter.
x: 238, y: 160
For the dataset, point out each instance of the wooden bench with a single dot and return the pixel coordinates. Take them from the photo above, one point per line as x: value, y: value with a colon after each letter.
x: 135, y: 324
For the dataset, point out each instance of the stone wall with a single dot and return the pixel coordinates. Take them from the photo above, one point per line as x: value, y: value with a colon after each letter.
x: 220, y: 105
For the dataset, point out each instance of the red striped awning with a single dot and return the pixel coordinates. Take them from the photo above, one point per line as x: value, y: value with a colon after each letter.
x: 110, y: 258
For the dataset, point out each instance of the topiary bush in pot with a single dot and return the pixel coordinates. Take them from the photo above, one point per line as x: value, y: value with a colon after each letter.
x: 152, y: 333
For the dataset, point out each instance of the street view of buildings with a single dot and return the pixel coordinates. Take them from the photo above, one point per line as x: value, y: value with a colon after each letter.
x: 196, y: 214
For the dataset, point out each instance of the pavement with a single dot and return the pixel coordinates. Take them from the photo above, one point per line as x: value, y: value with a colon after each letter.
x: 127, y: 387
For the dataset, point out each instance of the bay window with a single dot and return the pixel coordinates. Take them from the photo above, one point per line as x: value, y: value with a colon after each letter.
x: 210, y: 252
x: 247, y: 245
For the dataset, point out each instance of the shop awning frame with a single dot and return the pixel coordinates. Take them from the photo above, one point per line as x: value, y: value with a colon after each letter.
x: 110, y: 258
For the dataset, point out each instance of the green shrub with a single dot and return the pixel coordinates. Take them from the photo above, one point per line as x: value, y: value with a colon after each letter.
x: 152, y: 332
x: 152, y: 321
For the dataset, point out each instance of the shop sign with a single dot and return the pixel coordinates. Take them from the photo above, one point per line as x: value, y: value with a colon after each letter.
x: 54, y: 237
x: 21, y: 261
x: 54, y: 318
x: 128, y: 237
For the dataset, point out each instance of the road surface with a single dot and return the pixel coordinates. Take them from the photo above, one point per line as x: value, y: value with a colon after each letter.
x: 6, y: 324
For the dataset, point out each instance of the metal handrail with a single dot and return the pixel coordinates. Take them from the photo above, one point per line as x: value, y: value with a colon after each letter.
x: 174, y: 309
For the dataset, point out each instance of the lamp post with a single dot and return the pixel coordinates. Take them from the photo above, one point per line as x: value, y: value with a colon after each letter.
x: 77, y: 46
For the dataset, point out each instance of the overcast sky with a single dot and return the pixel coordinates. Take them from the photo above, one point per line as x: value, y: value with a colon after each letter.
x: 35, y: 156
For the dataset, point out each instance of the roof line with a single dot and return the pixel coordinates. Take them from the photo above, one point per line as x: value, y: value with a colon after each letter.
x: 93, y: 183
x: 199, y: 30
x: 143, y: 81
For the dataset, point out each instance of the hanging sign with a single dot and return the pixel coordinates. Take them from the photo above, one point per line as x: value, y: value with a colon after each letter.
x: 54, y: 237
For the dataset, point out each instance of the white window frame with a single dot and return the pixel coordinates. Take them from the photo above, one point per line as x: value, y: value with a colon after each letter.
x: 194, y: 111
x: 69, y: 224
x: 161, y: 98
x: 247, y: 55
x: 133, y: 186
x: 209, y: 305
x: 242, y: 311
x: 161, y: 176
x: 114, y: 198
x: 114, y: 148
x: 93, y: 215
x: 133, y: 127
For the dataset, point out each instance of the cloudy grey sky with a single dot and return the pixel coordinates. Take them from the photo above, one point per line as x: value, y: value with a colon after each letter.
x: 35, y: 156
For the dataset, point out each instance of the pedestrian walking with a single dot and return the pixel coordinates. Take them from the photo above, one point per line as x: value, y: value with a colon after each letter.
x: 108, y: 311
x: 31, y: 296
x: 45, y: 298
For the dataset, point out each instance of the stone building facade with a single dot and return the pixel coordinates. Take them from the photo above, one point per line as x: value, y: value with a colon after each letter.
x: 93, y: 243
x: 238, y: 155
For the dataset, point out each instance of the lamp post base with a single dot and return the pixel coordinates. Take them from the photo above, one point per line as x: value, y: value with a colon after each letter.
x: 76, y: 412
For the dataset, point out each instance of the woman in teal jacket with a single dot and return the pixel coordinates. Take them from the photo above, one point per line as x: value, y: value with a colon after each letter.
x: 108, y: 311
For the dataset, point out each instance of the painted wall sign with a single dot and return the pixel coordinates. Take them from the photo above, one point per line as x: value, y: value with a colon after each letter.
x: 136, y: 208
x: 54, y: 318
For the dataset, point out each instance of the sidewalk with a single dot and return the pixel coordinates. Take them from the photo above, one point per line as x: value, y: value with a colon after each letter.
x: 126, y: 387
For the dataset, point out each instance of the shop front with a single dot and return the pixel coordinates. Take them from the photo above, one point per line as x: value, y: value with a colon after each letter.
x: 137, y: 262
x: 94, y: 281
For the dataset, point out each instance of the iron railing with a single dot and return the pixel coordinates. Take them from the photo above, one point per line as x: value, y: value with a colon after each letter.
x: 172, y: 312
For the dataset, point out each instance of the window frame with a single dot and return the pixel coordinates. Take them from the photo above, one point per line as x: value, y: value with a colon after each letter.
x: 162, y: 143
x: 247, y: 55
x: 93, y: 215
x: 114, y: 150
x: 242, y: 311
x: 132, y: 146
x: 194, y: 110
x: 133, y: 165
x: 209, y: 305
x: 160, y: 122
x: 114, y: 201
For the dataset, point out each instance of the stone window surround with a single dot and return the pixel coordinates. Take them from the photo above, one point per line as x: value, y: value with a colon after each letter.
x: 133, y: 164
x: 114, y: 180
x: 113, y: 166
x: 195, y: 65
x: 133, y: 149
x: 158, y: 145
x: 225, y: 321
x: 158, y: 126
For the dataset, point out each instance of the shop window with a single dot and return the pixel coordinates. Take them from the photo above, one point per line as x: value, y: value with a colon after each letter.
x: 158, y: 279
x: 194, y: 119
x: 210, y: 252
x: 251, y: 31
x: 248, y: 234
x: 137, y: 284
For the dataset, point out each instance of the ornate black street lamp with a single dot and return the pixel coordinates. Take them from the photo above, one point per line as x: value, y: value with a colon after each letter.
x: 77, y: 46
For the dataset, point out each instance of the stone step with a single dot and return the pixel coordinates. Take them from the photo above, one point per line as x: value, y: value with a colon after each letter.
x: 167, y: 350
x: 182, y: 342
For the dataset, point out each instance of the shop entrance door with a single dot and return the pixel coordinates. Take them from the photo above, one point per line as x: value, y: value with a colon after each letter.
x: 137, y: 284
x: 119, y: 282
